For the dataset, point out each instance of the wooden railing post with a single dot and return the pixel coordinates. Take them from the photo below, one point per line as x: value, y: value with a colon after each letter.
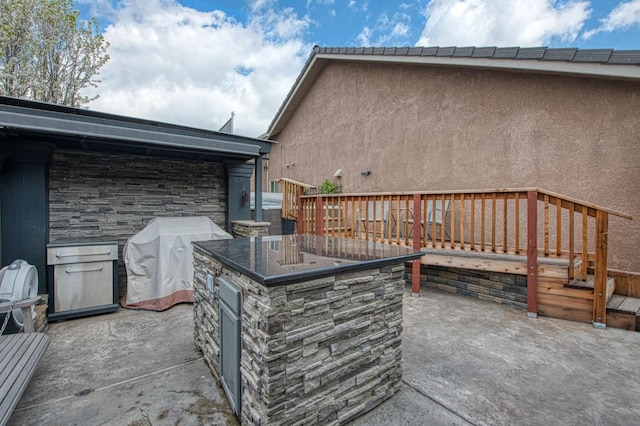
x: 600, y: 273
x: 415, y: 265
x: 319, y: 216
x: 532, y: 254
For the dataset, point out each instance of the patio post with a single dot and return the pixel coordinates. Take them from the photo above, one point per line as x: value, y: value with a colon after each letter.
x: 258, y: 190
x: 417, y: 227
x: 532, y: 254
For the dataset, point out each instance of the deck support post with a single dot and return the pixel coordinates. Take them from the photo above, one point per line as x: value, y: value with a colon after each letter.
x: 532, y: 254
x: 300, y: 221
x: 415, y: 264
x: 319, y: 216
x: 600, y: 273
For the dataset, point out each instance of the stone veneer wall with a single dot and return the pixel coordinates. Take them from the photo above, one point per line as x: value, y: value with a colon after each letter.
x: 113, y: 196
x: 506, y: 289
x: 319, y: 352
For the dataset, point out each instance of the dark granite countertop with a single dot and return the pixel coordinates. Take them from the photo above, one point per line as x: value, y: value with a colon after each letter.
x: 285, y: 259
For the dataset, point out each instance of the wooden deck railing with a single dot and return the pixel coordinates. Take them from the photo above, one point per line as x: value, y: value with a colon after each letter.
x: 527, y: 222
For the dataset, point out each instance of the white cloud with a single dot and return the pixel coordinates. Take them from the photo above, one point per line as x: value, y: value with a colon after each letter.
x: 502, y: 22
x: 364, y: 37
x: 353, y: 5
x: 175, y: 64
x: 400, y: 29
x: 392, y: 29
x: 624, y: 16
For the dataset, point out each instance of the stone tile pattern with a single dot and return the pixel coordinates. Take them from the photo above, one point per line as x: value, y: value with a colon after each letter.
x: 319, y: 352
x: 249, y: 228
x: 115, y: 196
x: 506, y: 289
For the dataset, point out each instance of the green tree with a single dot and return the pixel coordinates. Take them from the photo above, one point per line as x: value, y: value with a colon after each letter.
x: 47, y: 53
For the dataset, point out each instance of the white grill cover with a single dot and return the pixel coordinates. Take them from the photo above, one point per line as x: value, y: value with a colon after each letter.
x: 159, y: 261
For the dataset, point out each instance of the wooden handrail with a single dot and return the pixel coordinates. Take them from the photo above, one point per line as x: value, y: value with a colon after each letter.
x: 296, y: 183
x: 581, y: 203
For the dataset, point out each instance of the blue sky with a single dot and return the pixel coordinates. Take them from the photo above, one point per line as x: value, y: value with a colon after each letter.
x: 194, y: 61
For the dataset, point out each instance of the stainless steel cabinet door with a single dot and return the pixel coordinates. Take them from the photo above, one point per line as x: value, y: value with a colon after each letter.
x: 83, y: 285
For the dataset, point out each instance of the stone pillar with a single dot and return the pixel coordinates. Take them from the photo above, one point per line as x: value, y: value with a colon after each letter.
x: 249, y: 228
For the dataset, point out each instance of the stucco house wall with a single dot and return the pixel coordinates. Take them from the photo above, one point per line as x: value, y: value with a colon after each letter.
x: 434, y: 127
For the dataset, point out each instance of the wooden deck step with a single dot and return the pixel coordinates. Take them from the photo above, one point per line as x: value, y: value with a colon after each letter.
x: 589, y: 283
x: 626, y: 304
x: 624, y: 312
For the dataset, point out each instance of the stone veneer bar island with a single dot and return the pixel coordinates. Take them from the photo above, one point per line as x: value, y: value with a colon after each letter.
x: 318, y: 324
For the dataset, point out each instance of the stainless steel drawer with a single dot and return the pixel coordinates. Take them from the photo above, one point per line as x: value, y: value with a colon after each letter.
x: 81, y: 253
x: 83, y: 285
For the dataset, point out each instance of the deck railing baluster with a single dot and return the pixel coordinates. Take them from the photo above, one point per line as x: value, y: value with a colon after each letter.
x: 452, y: 221
x: 482, y: 220
x: 493, y: 222
x: 473, y: 222
x: 517, y: 222
x: 585, y: 242
x: 505, y: 223
x: 462, y: 220
x: 546, y: 225
x: 558, y: 226
x: 572, y: 262
x: 443, y: 226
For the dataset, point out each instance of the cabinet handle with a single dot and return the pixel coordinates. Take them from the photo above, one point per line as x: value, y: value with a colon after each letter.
x: 59, y: 255
x: 71, y: 271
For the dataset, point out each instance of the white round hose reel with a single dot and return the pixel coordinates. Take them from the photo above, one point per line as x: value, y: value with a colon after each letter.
x: 18, y: 281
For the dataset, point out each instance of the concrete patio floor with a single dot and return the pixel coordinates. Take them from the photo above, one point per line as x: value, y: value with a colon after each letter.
x: 466, y: 361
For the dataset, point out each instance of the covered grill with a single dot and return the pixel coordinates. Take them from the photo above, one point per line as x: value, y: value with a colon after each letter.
x: 159, y: 261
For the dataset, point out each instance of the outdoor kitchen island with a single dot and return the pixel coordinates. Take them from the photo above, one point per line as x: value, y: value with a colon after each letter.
x: 301, y: 329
